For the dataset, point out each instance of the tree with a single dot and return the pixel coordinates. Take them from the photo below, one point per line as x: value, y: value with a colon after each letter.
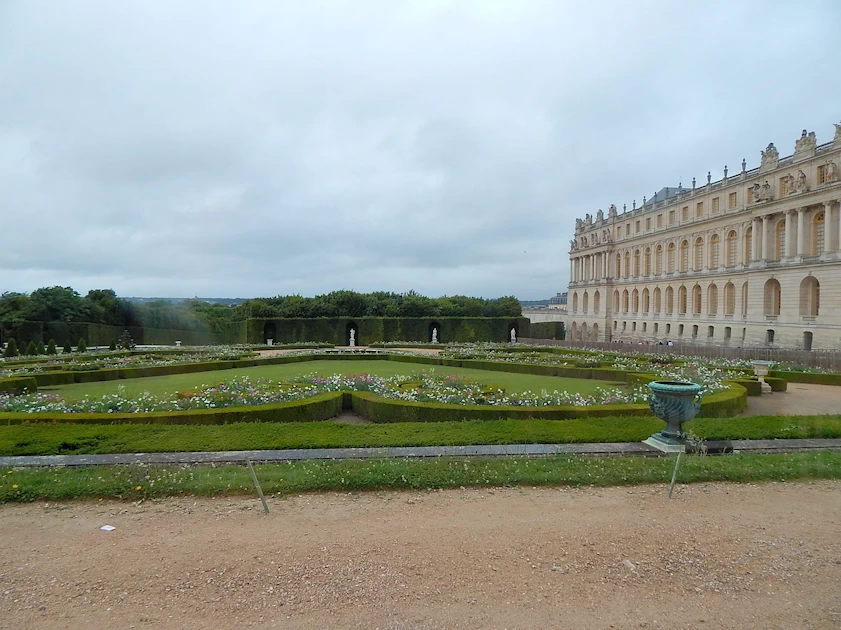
x: 113, y: 345
x: 51, y: 349
x: 11, y: 349
x: 54, y: 304
x: 67, y: 349
x: 105, y: 307
x: 81, y: 347
x: 31, y: 349
x: 39, y: 348
x: 125, y: 341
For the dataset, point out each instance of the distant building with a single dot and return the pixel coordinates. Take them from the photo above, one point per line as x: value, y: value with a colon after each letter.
x: 752, y: 259
x: 559, y: 301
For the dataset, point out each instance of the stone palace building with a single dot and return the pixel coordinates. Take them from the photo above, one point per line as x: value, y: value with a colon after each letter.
x: 752, y: 259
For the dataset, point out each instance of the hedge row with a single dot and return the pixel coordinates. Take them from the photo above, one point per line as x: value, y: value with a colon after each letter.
x: 814, y: 378
x: 17, y: 385
x: 321, y: 407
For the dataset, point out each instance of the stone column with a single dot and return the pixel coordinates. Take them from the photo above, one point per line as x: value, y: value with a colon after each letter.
x: 801, y: 231
x: 827, y: 224
x: 754, y: 242
x: 839, y: 224
x: 766, y: 242
x: 789, y: 235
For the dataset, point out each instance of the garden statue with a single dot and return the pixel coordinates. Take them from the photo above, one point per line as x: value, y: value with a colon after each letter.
x: 434, y: 335
x: 352, y: 338
x: 513, y: 335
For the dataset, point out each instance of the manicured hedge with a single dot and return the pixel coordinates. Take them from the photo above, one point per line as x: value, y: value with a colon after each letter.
x: 815, y: 378
x: 321, y: 407
x: 18, y: 385
x: 752, y: 387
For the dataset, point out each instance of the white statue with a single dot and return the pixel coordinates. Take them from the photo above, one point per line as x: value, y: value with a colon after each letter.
x: 513, y: 335
x: 801, y: 182
x: 352, y: 337
x: 831, y: 172
x: 434, y: 335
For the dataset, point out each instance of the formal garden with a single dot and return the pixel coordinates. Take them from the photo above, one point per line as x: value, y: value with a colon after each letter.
x: 257, y: 397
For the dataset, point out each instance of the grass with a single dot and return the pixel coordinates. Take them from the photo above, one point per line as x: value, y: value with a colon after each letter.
x: 136, y: 482
x: 67, y: 439
x: 158, y: 385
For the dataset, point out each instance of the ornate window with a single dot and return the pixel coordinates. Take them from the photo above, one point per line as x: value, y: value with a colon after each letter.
x: 781, y: 240
x: 575, y: 302
x: 670, y: 262
x: 596, y: 301
x: 670, y: 300
x: 699, y: 254
x: 732, y: 240
x: 729, y: 298
x: 715, y: 204
x: 645, y: 301
x: 616, y: 301
x: 625, y: 301
x: 658, y: 260
x: 745, y: 300
x: 636, y: 301
x: 712, y: 300
x: 647, y: 267
x: 684, y: 256
x: 731, y: 200
x: 773, y: 297
x: 714, y: 248
x: 748, y: 244
x: 627, y: 265
x: 818, y: 235
x: 696, y: 299
x: 618, y: 266
x: 657, y: 300
x: 637, y: 264
x: 585, y: 301
x: 681, y: 301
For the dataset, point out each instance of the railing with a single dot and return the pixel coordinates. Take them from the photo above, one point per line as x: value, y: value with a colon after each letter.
x: 826, y: 359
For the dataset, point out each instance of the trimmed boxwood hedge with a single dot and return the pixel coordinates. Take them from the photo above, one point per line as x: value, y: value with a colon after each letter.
x: 18, y: 385
x: 321, y: 407
x: 814, y: 378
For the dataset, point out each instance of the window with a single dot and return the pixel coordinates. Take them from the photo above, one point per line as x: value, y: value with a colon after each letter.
x: 822, y: 174
x: 712, y: 300
x: 647, y: 266
x: 615, y: 324
x: 659, y: 220
x: 670, y: 262
x: 769, y: 335
x: 627, y: 265
x: 616, y: 301
x: 711, y: 332
x: 696, y: 300
x: 656, y: 327
x: 648, y: 224
x: 668, y: 328
x: 618, y: 266
x: 746, y: 255
x: 715, y: 204
x: 636, y: 227
x: 684, y: 256
x: 681, y: 301
x: 684, y: 213
x: 699, y: 209
x: 731, y: 248
x: 671, y: 217
x: 645, y: 301
x: 750, y: 194
x: 635, y: 301
x: 714, y: 247
x: 680, y: 330
x: 781, y: 240
x: 818, y: 235
x: 772, y: 297
x: 574, y: 302
x: 810, y: 297
x: 628, y: 229
x: 670, y: 298
x: 729, y: 298
x: 694, y: 331
x: 744, y: 301
x: 634, y: 327
x: 637, y: 264
x: 657, y: 300
x: 658, y: 260
x: 596, y: 300
x: 727, y: 333
x: 699, y: 254
x: 625, y: 301
x: 644, y: 326
x: 731, y: 200
x: 585, y: 301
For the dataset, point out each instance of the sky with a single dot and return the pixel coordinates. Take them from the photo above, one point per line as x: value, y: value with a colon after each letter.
x: 269, y: 147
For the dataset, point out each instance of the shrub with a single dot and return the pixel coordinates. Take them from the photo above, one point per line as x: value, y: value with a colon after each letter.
x: 81, y: 347
x: 18, y: 385
x: 113, y: 345
x: 39, y: 348
x: 51, y: 349
x: 11, y: 349
x: 67, y: 349
x: 126, y: 342
x: 31, y: 349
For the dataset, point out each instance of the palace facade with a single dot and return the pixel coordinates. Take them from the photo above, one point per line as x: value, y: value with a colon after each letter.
x: 752, y: 259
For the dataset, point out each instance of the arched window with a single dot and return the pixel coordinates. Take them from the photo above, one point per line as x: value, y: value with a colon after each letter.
x: 596, y: 300
x: 657, y: 300
x: 810, y: 297
x: 696, y: 299
x: 818, y: 235
x: 699, y: 254
x: 745, y: 299
x: 616, y: 301
x: 712, y: 300
x: 772, y: 297
x: 573, y: 329
x: 658, y: 260
x: 670, y: 300
x: 681, y: 301
x: 627, y: 265
x: 731, y: 248
x: 645, y: 301
x: 625, y: 301
x: 575, y: 302
x: 729, y: 298
x: 595, y: 334
x: 684, y: 256
x: 618, y: 266
x: 647, y: 265
x: 746, y: 255
x: 670, y: 263
x: 637, y: 264
x: 714, y: 251
x: 585, y: 301
x: 635, y: 300
x: 781, y: 240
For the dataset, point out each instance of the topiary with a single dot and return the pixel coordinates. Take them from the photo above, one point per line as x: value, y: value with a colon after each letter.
x: 125, y: 341
x: 51, y: 349
x: 31, y: 349
x: 113, y: 345
x: 67, y: 349
x: 39, y: 348
x: 11, y: 349
x: 81, y: 347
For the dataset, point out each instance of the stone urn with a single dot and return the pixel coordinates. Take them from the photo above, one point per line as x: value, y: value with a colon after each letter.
x: 675, y: 402
x: 760, y: 370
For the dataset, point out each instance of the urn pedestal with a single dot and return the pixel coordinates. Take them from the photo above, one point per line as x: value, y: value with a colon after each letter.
x: 675, y: 402
x: 760, y: 370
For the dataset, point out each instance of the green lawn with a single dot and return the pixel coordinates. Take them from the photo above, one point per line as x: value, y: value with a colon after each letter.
x: 512, y: 382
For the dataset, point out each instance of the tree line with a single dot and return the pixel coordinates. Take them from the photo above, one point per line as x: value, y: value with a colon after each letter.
x: 102, y: 306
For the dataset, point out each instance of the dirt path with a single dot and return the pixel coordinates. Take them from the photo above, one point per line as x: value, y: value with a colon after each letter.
x: 717, y: 556
x: 801, y: 399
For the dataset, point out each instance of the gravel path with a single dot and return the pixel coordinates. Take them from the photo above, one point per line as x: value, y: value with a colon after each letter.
x: 716, y: 556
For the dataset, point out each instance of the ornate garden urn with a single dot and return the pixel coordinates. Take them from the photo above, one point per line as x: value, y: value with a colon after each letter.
x: 675, y: 402
x: 760, y: 370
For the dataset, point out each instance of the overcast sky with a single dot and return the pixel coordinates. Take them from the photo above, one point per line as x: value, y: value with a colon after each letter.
x: 266, y: 147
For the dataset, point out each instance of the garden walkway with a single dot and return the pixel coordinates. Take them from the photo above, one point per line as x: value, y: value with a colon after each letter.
x: 800, y: 400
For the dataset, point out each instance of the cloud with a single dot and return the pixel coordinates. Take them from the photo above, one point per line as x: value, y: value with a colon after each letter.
x: 272, y: 147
